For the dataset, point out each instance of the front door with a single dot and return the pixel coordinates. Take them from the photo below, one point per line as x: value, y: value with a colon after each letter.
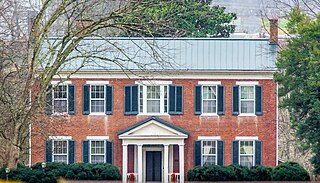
x: 153, y: 165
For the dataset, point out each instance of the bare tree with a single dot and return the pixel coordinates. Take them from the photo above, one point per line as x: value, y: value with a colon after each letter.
x: 30, y: 60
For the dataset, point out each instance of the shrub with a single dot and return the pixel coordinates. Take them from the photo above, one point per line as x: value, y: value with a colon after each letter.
x: 208, y: 173
x: 290, y: 171
x: 238, y: 173
x: 260, y: 173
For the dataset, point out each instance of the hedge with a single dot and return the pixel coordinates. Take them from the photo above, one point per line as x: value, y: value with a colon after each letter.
x: 288, y: 171
x: 53, y: 171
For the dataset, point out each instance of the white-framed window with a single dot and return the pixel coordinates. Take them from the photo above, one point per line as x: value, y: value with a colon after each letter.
x: 246, y: 153
x: 97, y: 99
x: 153, y: 99
x: 60, y: 99
x: 60, y: 151
x: 247, y: 99
x: 209, y: 99
x: 97, y: 151
x: 209, y: 152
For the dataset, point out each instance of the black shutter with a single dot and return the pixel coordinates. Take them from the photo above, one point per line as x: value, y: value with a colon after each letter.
x: 175, y: 99
x: 131, y: 100
x: 48, y: 104
x: 197, y: 99
x: 258, y: 100
x: 235, y: 152
x: 71, y: 151
x: 109, y: 151
x: 235, y: 100
x: 85, y: 151
x: 220, y: 152
x: 86, y: 99
x: 197, y: 153
x: 71, y: 99
x: 258, y: 152
x: 109, y: 99
x: 220, y: 100
x: 48, y: 151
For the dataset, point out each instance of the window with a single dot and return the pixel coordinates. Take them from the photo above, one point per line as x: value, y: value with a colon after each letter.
x: 97, y: 151
x: 97, y: 99
x: 60, y: 151
x: 247, y: 99
x: 153, y: 99
x: 209, y: 152
x: 209, y: 97
x: 60, y: 99
x: 247, y: 153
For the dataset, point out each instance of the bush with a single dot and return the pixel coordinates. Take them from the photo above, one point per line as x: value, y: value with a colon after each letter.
x: 290, y: 171
x: 260, y: 173
x: 53, y: 171
x: 208, y: 173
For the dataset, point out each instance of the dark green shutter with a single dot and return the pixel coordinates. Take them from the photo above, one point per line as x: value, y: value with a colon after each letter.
x: 235, y: 152
x: 258, y: 100
x: 71, y: 151
x: 131, y: 100
x: 86, y: 99
x: 197, y: 99
x: 85, y: 151
x: 197, y: 153
x: 175, y: 99
x: 258, y: 152
x: 48, y: 151
x: 48, y: 105
x: 220, y: 100
x: 109, y: 99
x: 109, y: 152
x: 235, y: 100
x: 220, y: 152
x: 71, y: 99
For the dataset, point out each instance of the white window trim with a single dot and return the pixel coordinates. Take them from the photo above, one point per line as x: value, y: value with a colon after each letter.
x: 104, y: 100
x: 105, y: 148
x: 60, y: 137
x: 247, y: 138
x: 97, y: 82
x: 61, y: 82
x: 153, y: 82
x: 209, y: 82
x: 53, y: 99
x: 97, y: 137
x: 216, y: 148
x: 144, y: 97
x: 209, y: 137
x: 247, y: 83
x: 53, y: 154
x: 254, y: 101
x: 209, y: 114
x: 253, y: 150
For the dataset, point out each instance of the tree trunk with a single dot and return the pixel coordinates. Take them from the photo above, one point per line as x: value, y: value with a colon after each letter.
x: 12, y: 156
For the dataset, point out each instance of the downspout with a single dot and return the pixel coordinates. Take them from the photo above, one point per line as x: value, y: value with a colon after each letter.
x: 277, y: 128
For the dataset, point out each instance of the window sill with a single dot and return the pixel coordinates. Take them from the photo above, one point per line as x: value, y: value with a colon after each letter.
x: 152, y: 114
x: 247, y: 115
x: 60, y: 114
x: 209, y: 115
x: 97, y: 114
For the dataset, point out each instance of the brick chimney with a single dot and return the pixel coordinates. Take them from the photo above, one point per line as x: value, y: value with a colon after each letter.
x: 273, y: 31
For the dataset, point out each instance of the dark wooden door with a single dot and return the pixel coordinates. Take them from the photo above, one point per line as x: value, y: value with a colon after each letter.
x: 153, y: 166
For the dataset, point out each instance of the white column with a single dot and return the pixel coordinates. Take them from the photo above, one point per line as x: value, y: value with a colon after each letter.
x: 165, y: 163
x: 124, y: 162
x: 140, y: 163
x: 181, y: 162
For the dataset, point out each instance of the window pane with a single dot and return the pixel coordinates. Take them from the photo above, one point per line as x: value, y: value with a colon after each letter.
x: 97, y: 158
x: 209, y: 92
x: 246, y: 161
x: 209, y: 160
x: 60, y: 91
x: 165, y: 99
x: 97, y: 91
x: 247, y: 92
x: 60, y: 106
x: 97, y: 106
x: 247, y: 106
x: 209, y: 147
x: 153, y: 92
x: 246, y: 147
x: 141, y: 98
x: 209, y: 106
x: 97, y: 147
x: 60, y: 159
x: 153, y: 106
x: 60, y: 147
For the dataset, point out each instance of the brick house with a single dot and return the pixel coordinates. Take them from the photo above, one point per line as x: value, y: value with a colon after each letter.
x: 219, y: 107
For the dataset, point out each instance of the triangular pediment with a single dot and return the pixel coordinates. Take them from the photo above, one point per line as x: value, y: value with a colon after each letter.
x: 153, y: 127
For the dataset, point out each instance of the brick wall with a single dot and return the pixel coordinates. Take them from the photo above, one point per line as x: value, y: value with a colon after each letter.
x: 227, y: 126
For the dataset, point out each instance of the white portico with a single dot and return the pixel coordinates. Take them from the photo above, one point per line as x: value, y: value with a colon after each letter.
x: 153, y: 150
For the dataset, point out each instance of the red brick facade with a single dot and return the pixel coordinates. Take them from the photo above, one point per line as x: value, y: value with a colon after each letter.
x: 227, y: 126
